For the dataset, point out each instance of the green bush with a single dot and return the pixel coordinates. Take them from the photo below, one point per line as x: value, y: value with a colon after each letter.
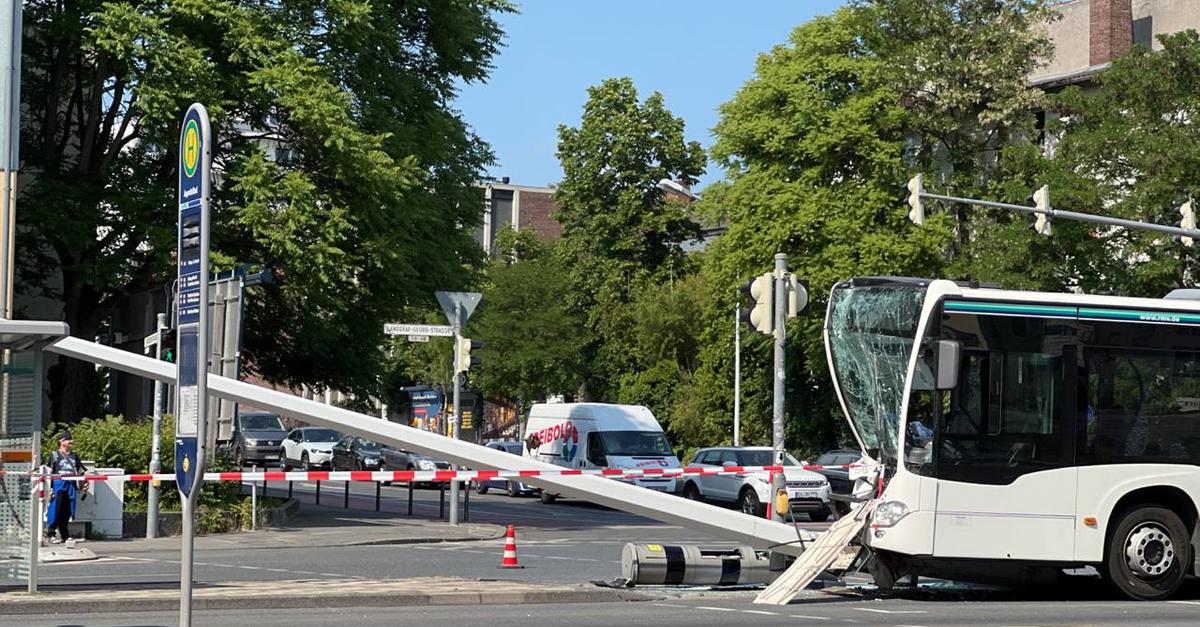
x: 116, y: 442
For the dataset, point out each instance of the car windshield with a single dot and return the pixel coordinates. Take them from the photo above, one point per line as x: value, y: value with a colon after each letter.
x: 367, y: 444
x: 260, y: 422
x: 764, y: 458
x: 871, y: 332
x: 630, y: 443
x: 322, y: 435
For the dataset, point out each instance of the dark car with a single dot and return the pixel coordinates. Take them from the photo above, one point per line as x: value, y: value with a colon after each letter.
x: 257, y: 438
x: 839, y: 478
x: 511, y: 487
x: 354, y: 453
x: 399, y: 459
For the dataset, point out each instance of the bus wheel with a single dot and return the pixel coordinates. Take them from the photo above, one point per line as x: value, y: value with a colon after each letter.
x: 1149, y: 554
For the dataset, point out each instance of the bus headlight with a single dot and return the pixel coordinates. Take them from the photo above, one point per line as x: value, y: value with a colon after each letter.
x: 889, y: 513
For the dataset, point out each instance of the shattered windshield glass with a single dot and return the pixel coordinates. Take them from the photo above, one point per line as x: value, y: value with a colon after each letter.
x: 872, y: 327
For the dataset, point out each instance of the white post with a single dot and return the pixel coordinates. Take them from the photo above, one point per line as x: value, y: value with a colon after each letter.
x: 457, y: 408
x: 156, y: 438
x: 737, y: 377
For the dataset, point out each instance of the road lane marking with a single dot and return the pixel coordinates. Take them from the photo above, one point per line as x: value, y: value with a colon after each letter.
x: 762, y: 612
x: 1185, y: 602
x: 715, y: 609
x: 809, y: 617
x: 878, y: 611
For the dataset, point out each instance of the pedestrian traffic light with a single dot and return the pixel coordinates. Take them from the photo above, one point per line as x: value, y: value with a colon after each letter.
x: 166, y: 346
x: 916, y: 187
x: 761, y: 315
x: 465, y: 360
x: 1188, y: 222
x: 1041, y: 200
x: 797, y: 296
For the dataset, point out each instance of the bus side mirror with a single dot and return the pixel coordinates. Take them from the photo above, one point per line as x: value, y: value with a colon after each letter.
x: 949, y: 353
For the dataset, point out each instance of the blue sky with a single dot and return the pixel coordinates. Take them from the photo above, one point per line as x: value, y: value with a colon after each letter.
x: 698, y: 53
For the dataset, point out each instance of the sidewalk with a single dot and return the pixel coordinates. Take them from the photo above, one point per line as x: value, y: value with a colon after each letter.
x: 318, y: 526
x: 310, y: 594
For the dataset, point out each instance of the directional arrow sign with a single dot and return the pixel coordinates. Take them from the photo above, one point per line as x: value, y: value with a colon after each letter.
x: 440, y: 330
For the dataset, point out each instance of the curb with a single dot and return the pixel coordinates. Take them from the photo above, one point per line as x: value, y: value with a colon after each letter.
x: 495, y: 535
x: 46, y: 604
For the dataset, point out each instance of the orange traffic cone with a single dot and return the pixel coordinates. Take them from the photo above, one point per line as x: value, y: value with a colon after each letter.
x: 510, y: 550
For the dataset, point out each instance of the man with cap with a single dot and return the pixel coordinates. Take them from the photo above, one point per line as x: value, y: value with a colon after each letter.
x: 64, y: 462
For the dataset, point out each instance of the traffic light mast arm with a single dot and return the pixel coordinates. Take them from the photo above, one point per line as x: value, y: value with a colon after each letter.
x: 1070, y: 215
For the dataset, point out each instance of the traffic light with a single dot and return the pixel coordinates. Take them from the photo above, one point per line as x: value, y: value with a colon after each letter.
x: 762, y: 315
x: 1041, y: 200
x: 1188, y: 221
x: 916, y: 187
x: 465, y: 360
x: 797, y: 296
x: 166, y: 348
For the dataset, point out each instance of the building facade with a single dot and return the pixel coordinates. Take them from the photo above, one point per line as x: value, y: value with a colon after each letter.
x: 1090, y: 33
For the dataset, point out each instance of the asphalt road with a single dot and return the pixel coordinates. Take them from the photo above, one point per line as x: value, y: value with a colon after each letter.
x: 568, y: 541
x: 730, y: 609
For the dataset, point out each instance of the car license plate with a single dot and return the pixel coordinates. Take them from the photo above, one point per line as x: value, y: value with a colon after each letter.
x: 803, y: 494
x: 272, y: 457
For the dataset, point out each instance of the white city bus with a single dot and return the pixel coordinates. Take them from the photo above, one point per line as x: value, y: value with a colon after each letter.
x: 1022, y: 433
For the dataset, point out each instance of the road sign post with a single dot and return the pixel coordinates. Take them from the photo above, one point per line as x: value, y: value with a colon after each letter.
x: 191, y: 396
x: 458, y: 307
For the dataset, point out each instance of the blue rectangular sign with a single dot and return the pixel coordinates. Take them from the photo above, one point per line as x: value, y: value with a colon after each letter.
x: 195, y: 160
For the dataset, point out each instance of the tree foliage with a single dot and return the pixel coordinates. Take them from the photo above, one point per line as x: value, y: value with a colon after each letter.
x: 358, y: 218
x: 620, y: 233
x: 533, y: 341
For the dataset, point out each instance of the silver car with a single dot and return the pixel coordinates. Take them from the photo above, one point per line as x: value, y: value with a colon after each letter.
x: 512, y: 487
x: 808, y: 492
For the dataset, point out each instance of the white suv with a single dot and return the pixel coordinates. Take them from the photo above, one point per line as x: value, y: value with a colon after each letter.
x: 808, y: 492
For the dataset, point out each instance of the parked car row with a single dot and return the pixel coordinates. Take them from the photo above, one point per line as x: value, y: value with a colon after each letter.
x: 260, y: 440
x: 569, y: 435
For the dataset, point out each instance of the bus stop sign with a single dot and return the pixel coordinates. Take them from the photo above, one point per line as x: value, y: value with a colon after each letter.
x: 195, y: 160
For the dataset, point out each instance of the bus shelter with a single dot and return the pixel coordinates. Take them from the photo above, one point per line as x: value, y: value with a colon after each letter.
x: 21, y: 386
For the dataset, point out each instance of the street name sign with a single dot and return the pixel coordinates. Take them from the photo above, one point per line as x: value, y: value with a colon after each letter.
x: 438, y: 330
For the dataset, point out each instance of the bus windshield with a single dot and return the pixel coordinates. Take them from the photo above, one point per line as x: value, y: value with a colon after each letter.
x: 870, y: 335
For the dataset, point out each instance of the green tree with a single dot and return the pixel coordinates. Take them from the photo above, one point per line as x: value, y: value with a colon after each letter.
x: 814, y: 149
x: 619, y: 231
x: 533, y: 341
x: 960, y: 71
x: 358, y: 218
x: 1128, y: 148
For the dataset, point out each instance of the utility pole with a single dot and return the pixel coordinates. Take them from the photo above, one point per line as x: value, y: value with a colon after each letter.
x: 10, y: 163
x: 781, y: 316
x: 156, y: 440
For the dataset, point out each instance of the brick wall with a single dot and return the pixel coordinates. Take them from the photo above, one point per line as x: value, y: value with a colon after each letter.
x: 1111, y: 30
x: 537, y: 209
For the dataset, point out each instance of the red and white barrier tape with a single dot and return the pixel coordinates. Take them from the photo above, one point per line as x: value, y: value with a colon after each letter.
x: 425, y: 476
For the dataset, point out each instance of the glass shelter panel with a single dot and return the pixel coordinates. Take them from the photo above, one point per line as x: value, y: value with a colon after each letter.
x: 16, y: 457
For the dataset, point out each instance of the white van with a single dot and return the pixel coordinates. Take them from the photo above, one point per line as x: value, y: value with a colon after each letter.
x: 599, y: 435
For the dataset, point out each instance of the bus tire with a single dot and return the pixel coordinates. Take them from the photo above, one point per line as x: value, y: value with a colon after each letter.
x: 1149, y: 553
